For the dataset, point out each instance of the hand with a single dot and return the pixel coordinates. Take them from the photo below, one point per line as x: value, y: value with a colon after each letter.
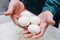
x: 46, y: 19
x: 14, y: 9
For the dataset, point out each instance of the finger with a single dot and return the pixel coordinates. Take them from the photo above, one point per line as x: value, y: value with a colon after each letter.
x: 43, y: 29
x: 28, y: 35
x: 50, y: 18
x: 38, y: 35
x: 7, y: 13
x: 15, y: 20
x: 50, y: 21
x: 25, y: 32
x: 24, y: 28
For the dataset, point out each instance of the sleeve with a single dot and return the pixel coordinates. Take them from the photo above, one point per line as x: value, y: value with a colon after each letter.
x: 52, y: 6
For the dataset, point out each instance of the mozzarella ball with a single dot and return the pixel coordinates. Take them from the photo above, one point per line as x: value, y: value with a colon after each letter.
x: 34, y: 29
x: 35, y: 20
x: 26, y: 13
x: 24, y: 21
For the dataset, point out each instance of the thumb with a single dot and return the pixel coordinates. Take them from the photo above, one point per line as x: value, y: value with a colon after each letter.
x: 50, y: 21
x: 10, y: 9
x: 8, y: 13
x: 50, y: 17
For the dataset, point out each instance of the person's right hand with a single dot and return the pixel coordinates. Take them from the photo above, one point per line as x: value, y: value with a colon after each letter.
x: 14, y: 10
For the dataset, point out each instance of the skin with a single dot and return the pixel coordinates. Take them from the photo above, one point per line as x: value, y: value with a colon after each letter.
x: 14, y: 10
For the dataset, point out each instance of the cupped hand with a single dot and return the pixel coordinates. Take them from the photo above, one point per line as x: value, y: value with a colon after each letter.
x: 46, y: 19
x: 14, y: 10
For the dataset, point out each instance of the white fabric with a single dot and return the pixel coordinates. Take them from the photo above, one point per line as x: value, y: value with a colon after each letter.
x: 9, y: 31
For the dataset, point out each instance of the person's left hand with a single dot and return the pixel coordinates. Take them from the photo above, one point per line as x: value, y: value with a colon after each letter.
x: 46, y: 19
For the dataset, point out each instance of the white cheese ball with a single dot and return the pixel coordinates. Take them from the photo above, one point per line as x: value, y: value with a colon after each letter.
x: 24, y: 21
x: 35, y: 20
x: 34, y: 29
x: 26, y: 13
